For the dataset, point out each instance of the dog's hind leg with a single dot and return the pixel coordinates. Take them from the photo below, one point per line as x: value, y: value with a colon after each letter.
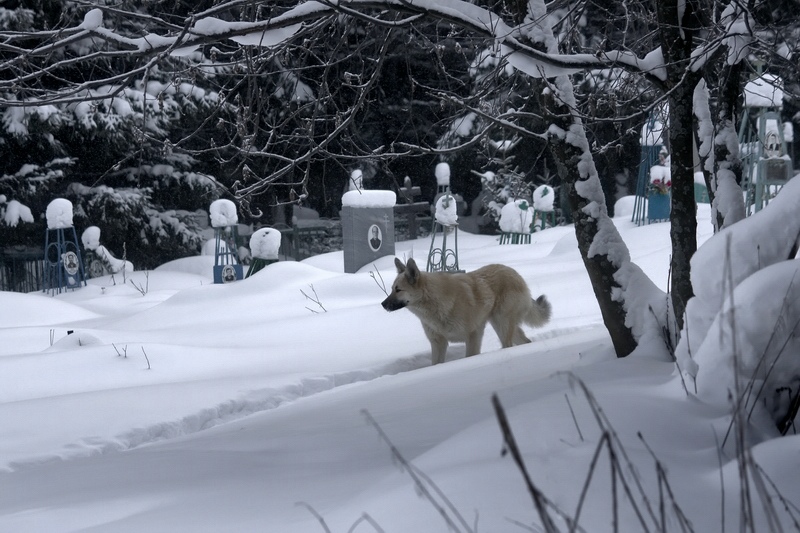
x: 520, y: 337
x: 474, y: 341
x: 505, y: 331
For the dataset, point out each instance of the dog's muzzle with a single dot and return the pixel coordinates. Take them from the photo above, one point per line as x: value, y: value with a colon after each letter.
x: 392, y: 304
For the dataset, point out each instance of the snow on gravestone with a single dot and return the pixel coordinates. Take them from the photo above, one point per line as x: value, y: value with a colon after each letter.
x: 516, y: 217
x: 265, y: 244
x: 59, y: 214
x: 367, y: 227
x: 543, y: 198
x: 446, y: 211
x: 223, y: 213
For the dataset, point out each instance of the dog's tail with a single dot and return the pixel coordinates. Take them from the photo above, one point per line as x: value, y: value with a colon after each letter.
x: 539, y: 312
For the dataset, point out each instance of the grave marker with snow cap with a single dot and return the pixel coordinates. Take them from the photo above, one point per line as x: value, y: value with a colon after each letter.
x: 224, y: 220
x: 442, y: 174
x: 544, y: 198
x: 516, y: 221
x: 62, y: 254
x: 265, y: 245
x: 367, y: 227
x: 444, y: 257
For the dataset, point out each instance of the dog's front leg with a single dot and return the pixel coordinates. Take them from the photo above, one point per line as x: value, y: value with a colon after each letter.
x: 438, y: 346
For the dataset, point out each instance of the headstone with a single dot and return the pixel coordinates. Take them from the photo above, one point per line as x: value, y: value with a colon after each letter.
x: 367, y: 227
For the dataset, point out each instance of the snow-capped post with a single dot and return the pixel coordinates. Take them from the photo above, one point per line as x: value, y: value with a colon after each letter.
x: 265, y: 244
x: 442, y: 173
x: 62, y: 254
x: 544, y: 198
x: 516, y: 222
x: 444, y: 257
x: 100, y: 261
x: 224, y: 220
x: 367, y: 227
x: 356, y: 182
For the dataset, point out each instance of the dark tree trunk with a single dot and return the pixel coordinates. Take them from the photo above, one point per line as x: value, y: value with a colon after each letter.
x: 683, y: 217
x: 677, y: 28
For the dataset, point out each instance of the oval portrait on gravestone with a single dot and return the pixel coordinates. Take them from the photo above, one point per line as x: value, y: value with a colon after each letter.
x: 375, y: 237
x: 71, y: 263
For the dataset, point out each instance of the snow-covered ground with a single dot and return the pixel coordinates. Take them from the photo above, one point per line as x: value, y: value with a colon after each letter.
x: 249, y: 407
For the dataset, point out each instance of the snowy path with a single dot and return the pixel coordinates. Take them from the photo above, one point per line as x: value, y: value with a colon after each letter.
x: 261, y: 465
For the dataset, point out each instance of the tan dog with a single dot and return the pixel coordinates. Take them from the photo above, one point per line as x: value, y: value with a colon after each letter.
x: 456, y: 307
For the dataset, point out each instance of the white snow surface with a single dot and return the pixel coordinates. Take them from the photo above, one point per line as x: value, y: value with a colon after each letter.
x: 369, y: 198
x: 206, y: 408
x: 265, y: 243
x: 223, y: 213
x: 59, y: 214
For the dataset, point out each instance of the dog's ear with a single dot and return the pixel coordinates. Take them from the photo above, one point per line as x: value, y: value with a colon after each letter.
x: 412, y: 271
x: 400, y: 266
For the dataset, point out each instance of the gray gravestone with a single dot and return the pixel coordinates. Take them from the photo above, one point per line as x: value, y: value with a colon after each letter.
x: 367, y: 227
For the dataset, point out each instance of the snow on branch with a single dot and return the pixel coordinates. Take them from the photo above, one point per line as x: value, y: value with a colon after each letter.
x: 207, y: 27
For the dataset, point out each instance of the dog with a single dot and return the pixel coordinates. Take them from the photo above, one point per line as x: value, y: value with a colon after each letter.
x: 455, y: 307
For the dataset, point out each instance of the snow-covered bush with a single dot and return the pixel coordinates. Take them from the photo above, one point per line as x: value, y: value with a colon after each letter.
x: 13, y: 212
x: 743, y: 320
x: 153, y: 236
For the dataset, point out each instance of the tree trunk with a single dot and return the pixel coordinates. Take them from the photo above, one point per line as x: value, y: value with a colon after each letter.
x: 678, y: 20
x: 683, y: 216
